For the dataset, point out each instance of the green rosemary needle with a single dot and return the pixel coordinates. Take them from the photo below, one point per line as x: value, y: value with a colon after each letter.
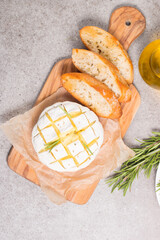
x: 87, y: 148
x: 147, y: 156
x: 158, y: 187
x: 65, y: 111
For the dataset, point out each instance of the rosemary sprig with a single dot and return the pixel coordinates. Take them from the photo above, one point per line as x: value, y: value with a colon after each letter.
x: 147, y: 156
x: 49, y: 146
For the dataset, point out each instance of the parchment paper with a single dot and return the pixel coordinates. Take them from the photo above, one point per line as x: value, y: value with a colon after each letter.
x: 55, y: 184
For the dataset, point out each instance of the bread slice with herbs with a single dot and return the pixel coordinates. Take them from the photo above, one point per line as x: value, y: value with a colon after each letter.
x: 102, y: 42
x: 103, y: 70
x: 93, y: 94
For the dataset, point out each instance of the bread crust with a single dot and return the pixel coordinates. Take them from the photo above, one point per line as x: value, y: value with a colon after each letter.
x: 120, y: 81
x: 106, y: 93
x: 92, y: 30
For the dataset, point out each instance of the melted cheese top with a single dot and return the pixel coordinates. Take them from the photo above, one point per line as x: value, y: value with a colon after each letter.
x: 78, y: 133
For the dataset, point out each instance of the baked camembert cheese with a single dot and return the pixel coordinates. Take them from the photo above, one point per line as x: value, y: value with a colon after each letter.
x: 67, y: 136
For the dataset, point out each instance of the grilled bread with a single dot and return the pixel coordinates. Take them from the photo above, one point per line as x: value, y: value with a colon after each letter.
x: 93, y: 94
x: 102, y: 42
x: 103, y: 70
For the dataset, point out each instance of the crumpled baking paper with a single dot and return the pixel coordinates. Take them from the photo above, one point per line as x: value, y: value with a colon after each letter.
x: 58, y: 186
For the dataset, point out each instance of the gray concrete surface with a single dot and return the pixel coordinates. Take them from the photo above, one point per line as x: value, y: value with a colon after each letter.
x: 34, y: 36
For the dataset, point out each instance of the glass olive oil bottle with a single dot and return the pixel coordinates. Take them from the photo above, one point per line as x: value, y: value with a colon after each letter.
x: 149, y: 64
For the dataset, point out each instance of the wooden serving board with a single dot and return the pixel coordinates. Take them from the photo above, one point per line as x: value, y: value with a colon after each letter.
x: 126, y: 24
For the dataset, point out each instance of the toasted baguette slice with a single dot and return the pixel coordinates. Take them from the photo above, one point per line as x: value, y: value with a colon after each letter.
x: 93, y: 94
x: 102, y: 42
x: 103, y: 70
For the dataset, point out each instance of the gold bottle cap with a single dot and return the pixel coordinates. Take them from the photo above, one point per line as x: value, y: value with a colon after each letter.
x: 149, y: 64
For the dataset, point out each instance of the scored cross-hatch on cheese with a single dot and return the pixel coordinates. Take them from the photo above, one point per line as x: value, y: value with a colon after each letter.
x: 67, y: 136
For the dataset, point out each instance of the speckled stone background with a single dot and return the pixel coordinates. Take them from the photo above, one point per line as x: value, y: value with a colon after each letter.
x: 34, y: 36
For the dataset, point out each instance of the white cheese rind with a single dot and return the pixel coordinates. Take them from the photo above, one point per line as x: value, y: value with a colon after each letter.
x: 71, y: 153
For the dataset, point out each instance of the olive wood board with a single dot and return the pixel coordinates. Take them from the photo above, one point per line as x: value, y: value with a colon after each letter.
x: 126, y: 24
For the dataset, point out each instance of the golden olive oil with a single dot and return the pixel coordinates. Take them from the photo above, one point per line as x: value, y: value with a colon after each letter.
x: 149, y: 64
